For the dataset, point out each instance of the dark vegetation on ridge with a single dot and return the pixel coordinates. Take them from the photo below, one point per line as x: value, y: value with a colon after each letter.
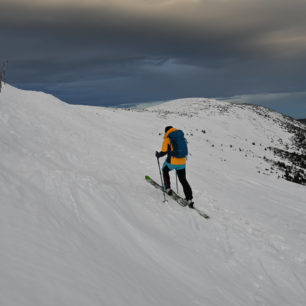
x: 302, y: 120
x: 294, y: 159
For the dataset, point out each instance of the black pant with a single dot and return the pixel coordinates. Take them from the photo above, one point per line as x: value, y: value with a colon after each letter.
x: 182, y: 178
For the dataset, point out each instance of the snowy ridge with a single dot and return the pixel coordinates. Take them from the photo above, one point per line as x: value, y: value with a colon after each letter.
x: 264, y: 129
x: 80, y: 226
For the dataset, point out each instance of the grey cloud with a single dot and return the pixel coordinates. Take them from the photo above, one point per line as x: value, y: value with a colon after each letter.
x: 236, y: 25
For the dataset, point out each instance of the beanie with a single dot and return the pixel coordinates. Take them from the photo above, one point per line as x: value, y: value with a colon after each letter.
x: 167, y: 128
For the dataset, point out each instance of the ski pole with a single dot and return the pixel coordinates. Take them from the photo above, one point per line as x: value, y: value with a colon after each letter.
x: 161, y: 179
x: 176, y: 182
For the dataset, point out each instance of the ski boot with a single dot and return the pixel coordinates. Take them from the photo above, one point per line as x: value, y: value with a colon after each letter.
x: 169, y: 191
x: 190, y: 203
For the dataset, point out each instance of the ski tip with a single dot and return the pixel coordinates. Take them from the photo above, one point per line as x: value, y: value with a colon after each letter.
x: 147, y: 177
x: 201, y: 213
x: 204, y: 215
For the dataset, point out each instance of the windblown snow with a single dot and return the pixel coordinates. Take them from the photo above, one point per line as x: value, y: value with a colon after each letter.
x: 79, y: 225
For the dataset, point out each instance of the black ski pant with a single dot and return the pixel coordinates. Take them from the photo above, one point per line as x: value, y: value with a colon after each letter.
x: 182, y: 178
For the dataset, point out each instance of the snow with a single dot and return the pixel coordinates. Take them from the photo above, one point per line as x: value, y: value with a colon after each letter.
x: 79, y: 225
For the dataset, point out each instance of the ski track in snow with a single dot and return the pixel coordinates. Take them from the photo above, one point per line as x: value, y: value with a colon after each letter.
x: 80, y: 226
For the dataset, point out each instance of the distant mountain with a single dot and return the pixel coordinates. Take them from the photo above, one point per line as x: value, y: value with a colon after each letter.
x: 80, y: 226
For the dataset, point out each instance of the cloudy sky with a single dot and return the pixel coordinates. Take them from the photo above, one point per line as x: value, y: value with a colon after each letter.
x: 107, y: 52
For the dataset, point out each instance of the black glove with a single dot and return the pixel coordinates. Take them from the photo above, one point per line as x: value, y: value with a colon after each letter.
x: 156, y: 154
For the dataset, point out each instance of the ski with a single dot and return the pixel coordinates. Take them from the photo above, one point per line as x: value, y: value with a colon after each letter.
x: 176, y: 197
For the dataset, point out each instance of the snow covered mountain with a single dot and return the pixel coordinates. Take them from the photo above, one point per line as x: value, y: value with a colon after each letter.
x: 80, y: 226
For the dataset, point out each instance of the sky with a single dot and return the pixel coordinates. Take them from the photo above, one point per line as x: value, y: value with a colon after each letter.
x: 111, y: 52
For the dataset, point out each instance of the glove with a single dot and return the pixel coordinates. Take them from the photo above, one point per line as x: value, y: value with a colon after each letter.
x: 156, y: 154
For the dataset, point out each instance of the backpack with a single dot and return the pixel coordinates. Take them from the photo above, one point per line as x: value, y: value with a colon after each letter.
x: 179, y: 144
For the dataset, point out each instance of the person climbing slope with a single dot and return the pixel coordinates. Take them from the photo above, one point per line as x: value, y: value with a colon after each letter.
x: 175, y: 147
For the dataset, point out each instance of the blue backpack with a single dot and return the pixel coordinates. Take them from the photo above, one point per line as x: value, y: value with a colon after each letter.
x: 179, y: 144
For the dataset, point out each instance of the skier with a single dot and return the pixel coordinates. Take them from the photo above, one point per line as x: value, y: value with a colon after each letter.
x: 176, y: 159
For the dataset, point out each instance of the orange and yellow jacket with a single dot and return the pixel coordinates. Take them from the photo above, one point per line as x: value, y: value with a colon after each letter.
x: 167, y: 148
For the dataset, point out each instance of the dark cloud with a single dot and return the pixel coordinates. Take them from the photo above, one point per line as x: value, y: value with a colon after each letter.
x: 111, y: 52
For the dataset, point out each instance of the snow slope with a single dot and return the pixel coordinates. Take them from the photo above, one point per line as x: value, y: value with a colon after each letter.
x: 80, y: 226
